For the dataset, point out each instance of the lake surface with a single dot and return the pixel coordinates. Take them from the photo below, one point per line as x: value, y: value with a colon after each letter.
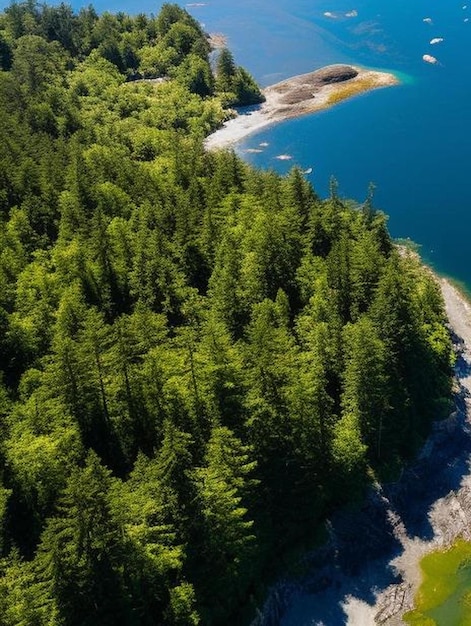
x: 413, y: 141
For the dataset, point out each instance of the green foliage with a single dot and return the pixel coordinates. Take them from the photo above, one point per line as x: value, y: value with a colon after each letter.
x: 196, y: 356
x: 36, y: 62
x: 225, y: 70
x: 182, y: 606
x: 195, y: 74
x: 365, y: 386
x: 235, y: 84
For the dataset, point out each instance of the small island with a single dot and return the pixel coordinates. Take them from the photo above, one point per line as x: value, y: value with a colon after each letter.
x: 299, y: 95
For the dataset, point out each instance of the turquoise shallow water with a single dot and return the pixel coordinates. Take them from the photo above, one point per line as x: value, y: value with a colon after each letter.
x: 413, y: 142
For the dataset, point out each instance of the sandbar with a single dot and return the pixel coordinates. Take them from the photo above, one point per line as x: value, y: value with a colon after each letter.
x: 299, y: 95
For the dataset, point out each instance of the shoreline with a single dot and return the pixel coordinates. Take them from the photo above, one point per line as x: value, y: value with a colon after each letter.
x: 297, y: 96
x: 372, y: 578
x: 458, y: 311
x: 449, y: 516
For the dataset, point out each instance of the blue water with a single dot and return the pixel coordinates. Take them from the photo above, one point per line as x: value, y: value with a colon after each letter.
x: 413, y: 142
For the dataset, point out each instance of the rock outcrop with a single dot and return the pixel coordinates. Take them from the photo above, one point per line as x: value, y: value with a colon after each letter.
x: 305, y: 86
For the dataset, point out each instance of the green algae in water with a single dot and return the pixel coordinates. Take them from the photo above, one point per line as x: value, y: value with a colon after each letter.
x: 444, y: 597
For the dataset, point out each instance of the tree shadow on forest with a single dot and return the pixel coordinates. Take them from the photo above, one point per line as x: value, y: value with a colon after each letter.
x: 356, y: 562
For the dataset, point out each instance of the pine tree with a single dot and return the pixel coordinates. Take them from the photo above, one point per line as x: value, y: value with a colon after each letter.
x: 80, y: 556
x: 365, y: 383
x: 225, y: 540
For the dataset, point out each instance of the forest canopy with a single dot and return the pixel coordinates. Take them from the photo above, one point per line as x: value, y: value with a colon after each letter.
x: 199, y: 359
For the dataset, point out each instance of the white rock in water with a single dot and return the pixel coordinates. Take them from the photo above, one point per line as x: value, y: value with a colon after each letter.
x: 427, y: 20
x: 436, y: 40
x: 428, y: 58
x: 284, y: 157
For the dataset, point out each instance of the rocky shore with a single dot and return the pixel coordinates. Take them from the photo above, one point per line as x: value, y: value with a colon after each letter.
x: 369, y: 570
x: 299, y: 95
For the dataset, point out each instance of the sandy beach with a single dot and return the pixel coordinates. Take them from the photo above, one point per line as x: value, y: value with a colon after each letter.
x: 299, y: 95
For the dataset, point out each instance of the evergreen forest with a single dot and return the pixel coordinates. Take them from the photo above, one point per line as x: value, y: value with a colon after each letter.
x: 199, y: 360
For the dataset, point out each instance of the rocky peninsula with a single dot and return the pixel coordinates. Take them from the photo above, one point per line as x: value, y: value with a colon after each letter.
x: 299, y: 95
